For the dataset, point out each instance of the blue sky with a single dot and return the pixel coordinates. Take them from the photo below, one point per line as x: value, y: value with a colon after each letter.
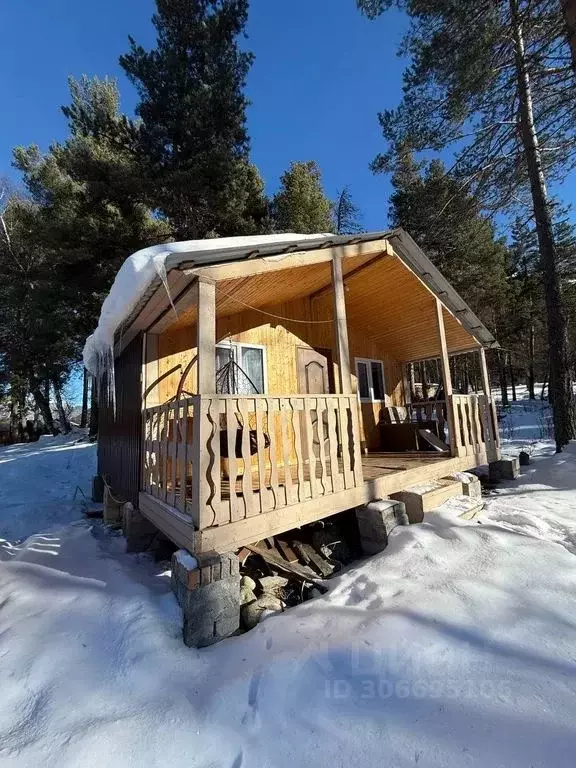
x: 322, y: 72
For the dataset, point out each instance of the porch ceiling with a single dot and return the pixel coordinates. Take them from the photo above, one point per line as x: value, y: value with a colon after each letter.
x: 399, y: 312
x: 273, y: 289
x: 384, y: 299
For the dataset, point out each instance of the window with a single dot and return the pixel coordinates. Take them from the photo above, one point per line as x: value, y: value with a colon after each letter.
x: 370, y: 375
x: 247, y: 376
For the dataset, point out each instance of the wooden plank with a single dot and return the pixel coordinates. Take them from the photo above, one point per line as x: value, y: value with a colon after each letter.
x: 358, y: 476
x: 174, y: 456
x: 247, y: 492
x: 326, y: 480
x: 286, y: 551
x: 264, y: 496
x: 231, y: 428
x: 173, y: 524
x: 343, y: 411
x: 310, y: 446
x: 272, y: 408
x: 221, y: 508
x: 298, y: 448
x: 477, y: 426
x: 294, y: 569
x: 462, y: 419
x: 164, y: 444
x: 183, y: 470
x: 337, y: 479
x: 286, y: 446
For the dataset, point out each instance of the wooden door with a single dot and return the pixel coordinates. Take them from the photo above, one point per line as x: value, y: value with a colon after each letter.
x: 315, y: 377
x: 315, y: 370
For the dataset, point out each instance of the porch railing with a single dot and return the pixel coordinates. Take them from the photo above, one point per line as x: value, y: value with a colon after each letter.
x: 168, y: 452
x: 224, y: 458
x: 475, y: 426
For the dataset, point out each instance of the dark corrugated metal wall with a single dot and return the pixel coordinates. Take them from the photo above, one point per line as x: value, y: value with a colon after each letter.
x: 119, y: 436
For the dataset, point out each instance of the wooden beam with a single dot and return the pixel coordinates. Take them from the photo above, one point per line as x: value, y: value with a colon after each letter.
x: 340, y: 326
x: 488, y: 392
x: 447, y: 378
x: 206, y: 336
x: 150, y: 370
x: 262, y: 264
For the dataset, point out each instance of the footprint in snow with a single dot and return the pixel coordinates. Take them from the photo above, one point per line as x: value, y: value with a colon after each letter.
x: 252, y: 715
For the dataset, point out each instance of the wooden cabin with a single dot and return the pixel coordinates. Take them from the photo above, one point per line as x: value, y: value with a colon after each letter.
x: 272, y: 387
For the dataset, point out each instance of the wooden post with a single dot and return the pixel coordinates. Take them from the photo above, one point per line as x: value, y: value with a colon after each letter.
x: 447, y: 380
x: 150, y: 398
x: 341, y: 326
x: 206, y: 336
x: 206, y: 385
x: 488, y: 392
x: 150, y: 371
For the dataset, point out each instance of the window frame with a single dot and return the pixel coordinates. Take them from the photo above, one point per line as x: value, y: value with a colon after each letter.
x: 237, y: 346
x: 368, y: 361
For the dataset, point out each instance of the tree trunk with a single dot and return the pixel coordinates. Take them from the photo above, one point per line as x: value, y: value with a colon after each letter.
x: 412, y: 378
x: 13, y: 429
x: 84, y: 414
x: 64, y: 423
x: 93, y: 425
x: 560, y: 387
x: 43, y: 404
x: 512, y: 377
x: 424, y: 380
x: 502, y: 376
x: 543, y: 390
x: 569, y: 11
x: 466, y: 373
x: 531, y: 356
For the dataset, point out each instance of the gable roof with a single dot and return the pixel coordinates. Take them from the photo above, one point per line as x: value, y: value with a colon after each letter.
x: 154, y: 277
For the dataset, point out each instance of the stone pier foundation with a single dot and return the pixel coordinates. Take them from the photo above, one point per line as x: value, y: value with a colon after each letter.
x: 207, y: 586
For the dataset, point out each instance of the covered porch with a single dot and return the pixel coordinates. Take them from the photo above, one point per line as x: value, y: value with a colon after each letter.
x: 222, y: 469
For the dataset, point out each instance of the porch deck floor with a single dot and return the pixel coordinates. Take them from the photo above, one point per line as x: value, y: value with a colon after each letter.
x: 374, y: 466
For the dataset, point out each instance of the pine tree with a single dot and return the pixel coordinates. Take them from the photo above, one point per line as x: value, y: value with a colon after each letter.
x: 446, y: 221
x: 346, y: 214
x: 63, y: 244
x: 193, y: 135
x: 497, y: 78
x: 301, y: 205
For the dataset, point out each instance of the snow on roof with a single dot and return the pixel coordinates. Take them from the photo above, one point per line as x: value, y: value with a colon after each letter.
x: 144, y: 267
x: 140, y: 270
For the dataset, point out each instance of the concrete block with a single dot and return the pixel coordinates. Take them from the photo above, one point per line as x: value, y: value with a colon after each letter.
x: 375, y: 522
x: 138, y: 530
x: 207, y: 587
x: 471, y: 485
x: 507, y: 468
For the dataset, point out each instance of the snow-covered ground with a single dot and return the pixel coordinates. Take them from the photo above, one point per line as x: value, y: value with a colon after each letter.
x: 456, y: 647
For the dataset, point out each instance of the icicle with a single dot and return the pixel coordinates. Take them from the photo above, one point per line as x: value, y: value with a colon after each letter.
x: 160, y: 266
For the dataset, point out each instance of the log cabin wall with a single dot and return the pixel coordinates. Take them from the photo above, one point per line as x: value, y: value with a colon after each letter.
x: 281, y: 339
x: 120, y: 433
